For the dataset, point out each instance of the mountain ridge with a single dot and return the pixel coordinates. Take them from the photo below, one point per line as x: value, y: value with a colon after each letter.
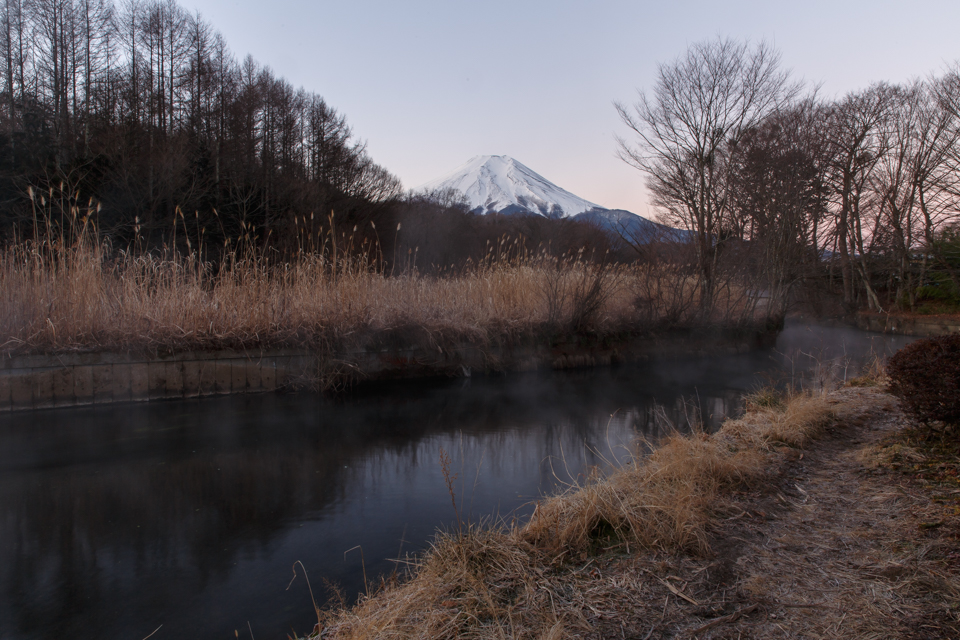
x: 501, y: 184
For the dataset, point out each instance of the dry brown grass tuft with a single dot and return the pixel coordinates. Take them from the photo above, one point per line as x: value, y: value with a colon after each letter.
x: 468, y: 585
x: 661, y: 501
x: 795, y: 421
x: 518, y: 582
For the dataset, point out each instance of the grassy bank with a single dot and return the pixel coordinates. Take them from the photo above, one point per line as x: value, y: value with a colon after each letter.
x: 536, y: 581
x: 72, y: 291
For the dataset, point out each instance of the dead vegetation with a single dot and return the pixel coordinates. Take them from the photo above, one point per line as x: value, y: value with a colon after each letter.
x: 843, y: 548
x: 594, y: 555
x: 71, y: 290
x: 756, y: 531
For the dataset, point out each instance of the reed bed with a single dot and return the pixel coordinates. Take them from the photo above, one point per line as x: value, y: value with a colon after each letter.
x: 529, y: 581
x: 70, y: 290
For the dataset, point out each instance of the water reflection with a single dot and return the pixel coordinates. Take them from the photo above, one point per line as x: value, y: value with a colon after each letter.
x: 115, y: 521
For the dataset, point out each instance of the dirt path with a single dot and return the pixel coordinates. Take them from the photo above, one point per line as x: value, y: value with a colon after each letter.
x: 830, y: 548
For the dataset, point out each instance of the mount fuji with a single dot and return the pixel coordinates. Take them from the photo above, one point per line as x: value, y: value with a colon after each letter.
x: 500, y: 184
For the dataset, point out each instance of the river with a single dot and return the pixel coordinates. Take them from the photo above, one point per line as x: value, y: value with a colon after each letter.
x: 186, y: 517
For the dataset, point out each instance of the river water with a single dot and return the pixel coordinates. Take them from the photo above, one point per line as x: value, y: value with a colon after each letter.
x: 187, y: 517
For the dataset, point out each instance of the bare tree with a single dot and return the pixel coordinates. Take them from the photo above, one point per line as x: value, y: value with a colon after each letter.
x: 945, y: 210
x: 921, y: 134
x: 199, y: 73
x: 54, y: 45
x: 778, y: 197
x: 128, y: 32
x: 857, y: 140
x: 14, y: 41
x: 95, y: 46
x: 688, y: 124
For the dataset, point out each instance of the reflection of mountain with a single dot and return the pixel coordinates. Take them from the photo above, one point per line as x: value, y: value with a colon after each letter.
x: 114, y: 520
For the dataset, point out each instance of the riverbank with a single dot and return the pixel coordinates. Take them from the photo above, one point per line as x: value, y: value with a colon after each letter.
x: 81, y: 323
x: 908, y: 324
x: 76, y: 379
x: 784, y: 524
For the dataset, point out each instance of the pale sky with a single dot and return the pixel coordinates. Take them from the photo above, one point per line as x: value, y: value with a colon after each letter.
x: 428, y: 84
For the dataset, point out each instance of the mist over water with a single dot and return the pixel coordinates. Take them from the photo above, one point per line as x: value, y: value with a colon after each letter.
x: 190, y: 514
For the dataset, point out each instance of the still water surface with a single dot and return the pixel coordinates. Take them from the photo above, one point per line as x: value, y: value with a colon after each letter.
x: 187, y: 517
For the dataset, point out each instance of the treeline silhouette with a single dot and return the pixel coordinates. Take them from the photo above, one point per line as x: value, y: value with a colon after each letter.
x: 141, y: 107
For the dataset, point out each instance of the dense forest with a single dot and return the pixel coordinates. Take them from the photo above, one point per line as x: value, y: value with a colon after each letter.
x: 141, y: 107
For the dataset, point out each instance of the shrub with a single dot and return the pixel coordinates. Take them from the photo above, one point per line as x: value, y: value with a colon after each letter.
x: 925, y: 375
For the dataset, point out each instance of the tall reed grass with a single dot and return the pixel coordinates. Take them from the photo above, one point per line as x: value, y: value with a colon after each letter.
x: 67, y: 288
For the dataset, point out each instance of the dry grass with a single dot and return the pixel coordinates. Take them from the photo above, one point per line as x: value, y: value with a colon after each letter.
x: 820, y: 542
x: 72, y: 291
x: 794, y: 423
x: 528, y: 581
x: 659, y: 501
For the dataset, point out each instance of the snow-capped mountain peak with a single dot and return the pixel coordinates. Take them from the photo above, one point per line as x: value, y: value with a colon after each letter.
x: 501, y: 184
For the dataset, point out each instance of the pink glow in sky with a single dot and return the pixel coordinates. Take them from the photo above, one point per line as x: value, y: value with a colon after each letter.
x: 431, y: 83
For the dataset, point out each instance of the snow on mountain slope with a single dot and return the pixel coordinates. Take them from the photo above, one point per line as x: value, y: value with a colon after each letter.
x: 500, y: 184
x: 629, y: 227
x: 503, y: 185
